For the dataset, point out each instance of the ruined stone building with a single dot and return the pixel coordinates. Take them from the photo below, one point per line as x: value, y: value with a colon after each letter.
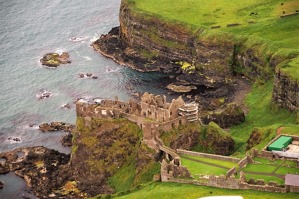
x: 151, y: 114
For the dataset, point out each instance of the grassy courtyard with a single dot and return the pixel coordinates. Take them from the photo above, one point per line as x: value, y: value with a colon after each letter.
x: 265, y: 169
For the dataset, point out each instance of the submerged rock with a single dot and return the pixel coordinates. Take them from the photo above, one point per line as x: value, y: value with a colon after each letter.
x: 180, y: 88
x: 54, y: 59
x: 87, y: 75
x: 43, y: 94
x: 14, y: 139
x: 66, y: 106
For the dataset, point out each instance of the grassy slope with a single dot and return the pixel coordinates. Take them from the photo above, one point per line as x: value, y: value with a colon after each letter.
x: 262, y: 114
x: 174, y: 190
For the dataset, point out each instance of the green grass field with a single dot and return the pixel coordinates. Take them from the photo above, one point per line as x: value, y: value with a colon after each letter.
x: 196, y: 168
x: 260, y: 168
x: 267, y: 161
x: 217, y: 12
x: 185, y: 191
x: 227, y: 164
x: 261, y: 27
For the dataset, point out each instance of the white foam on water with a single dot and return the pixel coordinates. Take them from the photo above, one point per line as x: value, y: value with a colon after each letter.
x: 60, y: 50
x: 87, y: 58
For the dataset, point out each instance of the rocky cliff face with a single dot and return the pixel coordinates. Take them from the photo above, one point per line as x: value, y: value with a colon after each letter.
x: 286, y: 91
x: 147, y: 43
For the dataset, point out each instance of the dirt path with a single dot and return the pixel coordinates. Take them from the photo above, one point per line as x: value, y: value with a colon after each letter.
x: 243, y: 89
x: 278, y: 132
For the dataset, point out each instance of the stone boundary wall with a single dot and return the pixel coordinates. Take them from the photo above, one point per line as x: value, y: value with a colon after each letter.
x: 247, y: 159
x: 228, y: 183
x: 231, y: 172
x: 266, y: 188
x: 243, y: 162
x: 206, y: 155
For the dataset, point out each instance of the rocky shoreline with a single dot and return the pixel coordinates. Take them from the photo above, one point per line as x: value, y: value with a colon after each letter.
x: 39, y: 167
x: 202, y: 86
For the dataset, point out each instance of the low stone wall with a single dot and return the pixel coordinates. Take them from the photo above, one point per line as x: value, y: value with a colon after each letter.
x: 294, y: 189
x: 243, y: 162
x: 263, y: 188
x: 206, y: 155
x: 231, y: 172
x: 229, y: 183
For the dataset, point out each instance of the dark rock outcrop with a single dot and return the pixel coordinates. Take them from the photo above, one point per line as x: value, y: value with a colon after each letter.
x: 56, y: 126
x: 210, y: 139
x: 1, y: 185
x: 231, y: 115
x: 217, y: 140
x: 186, y: 141
x: 54, y: 59
x: 286, y: 91
x: 40, y: 168
x: 66, y: 140
x: 180, y: 88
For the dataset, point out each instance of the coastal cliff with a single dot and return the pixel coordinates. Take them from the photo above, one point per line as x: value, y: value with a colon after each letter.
x: 147, y: 42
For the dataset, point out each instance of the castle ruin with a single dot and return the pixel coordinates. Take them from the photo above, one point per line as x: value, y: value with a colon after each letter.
x: 151, y: 114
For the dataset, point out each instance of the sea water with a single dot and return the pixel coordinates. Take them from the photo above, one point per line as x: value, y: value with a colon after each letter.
x: 30, y: 29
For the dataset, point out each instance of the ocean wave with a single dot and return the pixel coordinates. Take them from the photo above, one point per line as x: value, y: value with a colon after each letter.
x: 78, y: 39
x: 87, y: 58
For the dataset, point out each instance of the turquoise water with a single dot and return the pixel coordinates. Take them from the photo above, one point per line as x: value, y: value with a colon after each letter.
x: 29, y: 29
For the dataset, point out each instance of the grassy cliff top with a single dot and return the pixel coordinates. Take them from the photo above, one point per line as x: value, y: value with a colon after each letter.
x: 260, y: 23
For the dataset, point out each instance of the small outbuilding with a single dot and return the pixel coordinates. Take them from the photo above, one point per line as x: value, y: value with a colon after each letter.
x: 292, y: 183
x: 281, y: 143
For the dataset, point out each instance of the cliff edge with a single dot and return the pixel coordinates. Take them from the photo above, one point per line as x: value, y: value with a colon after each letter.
x: 210, y: 46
